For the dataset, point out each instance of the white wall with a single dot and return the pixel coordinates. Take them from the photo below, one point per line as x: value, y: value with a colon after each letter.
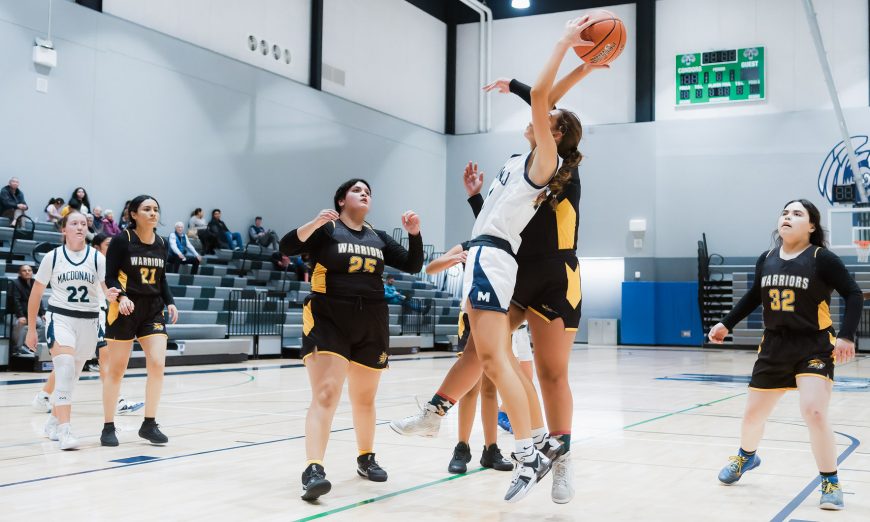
x: 520, y: 46
x: 130, y: 110
x: 394, y: 58
x: 794, y: 79
x: 223, y: 26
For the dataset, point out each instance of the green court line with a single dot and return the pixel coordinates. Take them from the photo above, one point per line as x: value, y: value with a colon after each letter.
x: 478, y: 470
x: 388, y: 495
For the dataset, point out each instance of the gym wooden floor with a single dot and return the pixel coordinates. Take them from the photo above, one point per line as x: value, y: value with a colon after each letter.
x: 652, y: 428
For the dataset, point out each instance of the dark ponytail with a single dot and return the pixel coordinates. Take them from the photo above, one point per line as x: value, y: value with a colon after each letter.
x: 572, y: 131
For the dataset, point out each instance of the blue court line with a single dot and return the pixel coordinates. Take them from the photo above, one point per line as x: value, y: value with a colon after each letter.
x: 163, y: 459
x: 130, y: 460
x: 217, y: 370
x: 816, y: 482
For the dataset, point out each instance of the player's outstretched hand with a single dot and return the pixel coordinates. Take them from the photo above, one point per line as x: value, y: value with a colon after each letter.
x: 844, y: 351
x: 717, y: 333
x: 411, y: 222
x: 502, y: 85
x: 472, y: 179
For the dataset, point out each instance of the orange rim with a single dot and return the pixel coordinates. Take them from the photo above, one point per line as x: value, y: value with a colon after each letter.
x: 863, y: 244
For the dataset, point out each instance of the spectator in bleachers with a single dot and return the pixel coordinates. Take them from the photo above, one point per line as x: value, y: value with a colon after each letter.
x: 216, y: 226
x: 262, y: 236
x: 21, y: 288
x: 125, y: 216
x: 181, y: 252
x: 80, y: 195
x: 391, y: 294
x: 98, y: 219
x: 110, y: 228
x: 12, y: 203
x: 92, y: 230
x: 196, y: 222
x: 52, y: 210
x: 73, y: 205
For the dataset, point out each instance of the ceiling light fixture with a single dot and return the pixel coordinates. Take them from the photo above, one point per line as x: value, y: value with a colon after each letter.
x: 520, y: 4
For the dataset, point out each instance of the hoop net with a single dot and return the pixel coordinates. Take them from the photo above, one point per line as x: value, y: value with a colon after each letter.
x: 862, y: 248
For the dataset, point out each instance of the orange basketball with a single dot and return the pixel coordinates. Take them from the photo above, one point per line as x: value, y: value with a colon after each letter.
x: 608, y: 33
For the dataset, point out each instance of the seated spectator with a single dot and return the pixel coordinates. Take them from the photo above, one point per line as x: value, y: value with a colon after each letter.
x: 196, y: 223
x: 81, y: 196
x: 92, y: 230
x: 98, y: 219
x: 110, y: 228
x: 262, y: 236
x: 21, y: 288
x: 391, y: 294
x: 52, y: 210
x: 12, y: 203
x: 181, y: 252
x: 226, y: 238
x: 125, y: 216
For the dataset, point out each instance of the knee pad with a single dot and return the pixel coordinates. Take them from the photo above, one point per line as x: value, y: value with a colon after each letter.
x: 64, y: 378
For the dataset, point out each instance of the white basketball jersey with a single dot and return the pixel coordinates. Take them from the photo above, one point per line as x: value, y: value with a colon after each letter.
x: 74, y: 278
x: 510, y: 203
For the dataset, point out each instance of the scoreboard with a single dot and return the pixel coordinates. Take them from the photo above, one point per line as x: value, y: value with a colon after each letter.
x: 731, y: 75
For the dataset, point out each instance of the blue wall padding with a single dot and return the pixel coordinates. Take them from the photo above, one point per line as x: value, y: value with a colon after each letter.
x: 661, y: 314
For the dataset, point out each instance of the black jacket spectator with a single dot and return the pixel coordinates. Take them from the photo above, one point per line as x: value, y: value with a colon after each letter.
x: 11, y: 199
x: 21, y: 295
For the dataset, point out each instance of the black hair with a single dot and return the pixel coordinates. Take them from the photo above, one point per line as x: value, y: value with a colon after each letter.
x: 196, y: 211
x: 817, y: 236
x: 99, y: 239
x: 341, y: 193
x: 135, y: 203
x: 213, y: 211
x: 258, y: 217
x: 75, y: 204
x: 84, y: 201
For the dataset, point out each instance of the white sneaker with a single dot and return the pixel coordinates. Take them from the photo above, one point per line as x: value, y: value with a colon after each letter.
x: 42, y: 403
x: 563, y: 480
x: 526, y: 475
x: 125, y: 407
x: 425, y: 424
x: 50, y: 428
x: 65, y: 437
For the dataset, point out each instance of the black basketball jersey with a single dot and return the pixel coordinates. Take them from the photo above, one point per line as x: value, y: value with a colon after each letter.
x: 137, y: 268
x: 796, y: 294
x: 349, y: 262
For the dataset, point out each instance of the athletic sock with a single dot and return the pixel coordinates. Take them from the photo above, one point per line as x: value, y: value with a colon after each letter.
x: 109, y: 426
x: 149, y: 421
x: 525, y: 449
x: 442, y: 403
x: 746, y: 454
x: 565, y: 439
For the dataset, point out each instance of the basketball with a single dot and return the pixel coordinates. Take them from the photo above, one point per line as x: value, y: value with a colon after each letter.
x: 608, y: 33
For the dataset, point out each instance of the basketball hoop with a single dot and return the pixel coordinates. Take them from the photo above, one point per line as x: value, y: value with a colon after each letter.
x: 862, y: 248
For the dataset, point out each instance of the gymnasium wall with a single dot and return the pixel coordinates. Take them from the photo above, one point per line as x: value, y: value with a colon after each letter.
x: 130, y: 110
x: 384, y: 54
x: 519, y: 48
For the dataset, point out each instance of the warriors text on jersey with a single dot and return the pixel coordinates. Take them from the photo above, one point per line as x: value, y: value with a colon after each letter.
x: 796, y: 293
x: 349, y: 262
x: 74, y: 277
x: 138, y: 268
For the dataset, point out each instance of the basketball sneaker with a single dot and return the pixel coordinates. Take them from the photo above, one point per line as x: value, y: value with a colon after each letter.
x: 493, y: 459
x: 527, y: 473
x: 151, y: 432
x: 50, y: 428
x: 42, y: 402
x: 367, y: 467
x: 736, y: 467
x: 425, y: 424
x: 314, y: 483
x: 461, y: 457
x: 125, y: 407
x: 504, y: 422
x: 65, y: 437
x: 562, y: 491
x: 108, y: 437
x: 832, y: 496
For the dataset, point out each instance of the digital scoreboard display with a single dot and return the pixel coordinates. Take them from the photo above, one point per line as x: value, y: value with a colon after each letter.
x: 730, y: 75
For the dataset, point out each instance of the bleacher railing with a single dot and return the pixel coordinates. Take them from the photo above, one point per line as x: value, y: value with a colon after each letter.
x: 418, y: 316
x: 256, y: 312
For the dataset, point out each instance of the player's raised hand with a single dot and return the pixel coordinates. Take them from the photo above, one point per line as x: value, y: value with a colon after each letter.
x: 502, y: 85
x: 717, y: 333
x: 325, y: 216
x: 411, y: 222
x: 472, y: 179
x: 573, y: 32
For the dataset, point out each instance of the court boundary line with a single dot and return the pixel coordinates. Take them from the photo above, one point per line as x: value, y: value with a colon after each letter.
x: 795, y: 503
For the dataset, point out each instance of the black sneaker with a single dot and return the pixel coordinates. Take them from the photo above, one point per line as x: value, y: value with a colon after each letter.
x: 368, y: 468
x: 314, y: 483
x: 493, y: 459
x: 152, y: 433
x: 108, y: 437
x: 461, y: 457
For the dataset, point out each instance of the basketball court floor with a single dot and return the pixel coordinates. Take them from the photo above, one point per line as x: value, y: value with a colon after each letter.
x: 652, y: 428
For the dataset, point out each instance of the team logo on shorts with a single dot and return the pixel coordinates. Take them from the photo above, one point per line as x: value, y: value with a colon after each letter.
x: 816, y: 364
x: 158, y: 327
x: 382, y: 359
